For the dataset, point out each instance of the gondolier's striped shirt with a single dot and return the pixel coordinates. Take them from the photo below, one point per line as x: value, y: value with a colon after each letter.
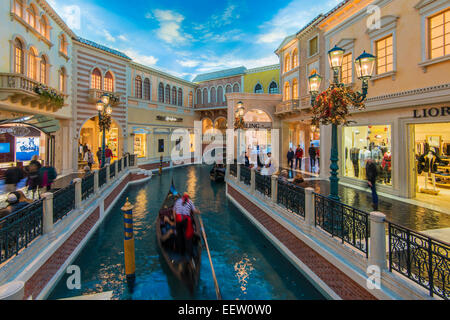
x: 185, y: 209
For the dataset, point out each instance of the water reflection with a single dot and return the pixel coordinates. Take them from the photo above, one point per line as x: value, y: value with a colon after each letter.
x: 243, y: 269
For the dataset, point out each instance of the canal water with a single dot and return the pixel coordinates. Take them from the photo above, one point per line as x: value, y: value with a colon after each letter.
x: 247, y: 265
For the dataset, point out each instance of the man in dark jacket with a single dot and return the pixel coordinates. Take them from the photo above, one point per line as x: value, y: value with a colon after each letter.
x: 312, y: 156
x: 290, y: 157
x: 12, y: 178
x: 371, y: 174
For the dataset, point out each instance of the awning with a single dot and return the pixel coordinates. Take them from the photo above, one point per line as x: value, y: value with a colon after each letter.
x: 46, y: 124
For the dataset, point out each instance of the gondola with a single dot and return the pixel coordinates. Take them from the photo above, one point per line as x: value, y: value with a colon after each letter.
x: 217, y: 174
x: 186, y: 270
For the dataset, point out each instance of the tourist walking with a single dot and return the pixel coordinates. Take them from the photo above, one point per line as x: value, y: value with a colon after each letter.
x: 312, y: 157
x: 33, y: 181
x: 89, y: 158
x: 99, y: 156
x: 290, y: 158
x: 298, y: 158
x: 47, y: 176
x: 108, y: 155
x: 12, y: 178
x: 371, y: 175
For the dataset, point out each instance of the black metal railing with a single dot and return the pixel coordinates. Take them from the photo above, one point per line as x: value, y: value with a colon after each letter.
x: 246, y: 175
x: 112, y: 171
x: 125, y: 162
x: 291, y: 197
x: 420, y: 258
x: 132, y: 160
x: 101, y: 177
x: 19, y: 229
x: 87, y: 186
x: 119, y: 166
x: 263, y: 184
x: 342, y: 221
x: 63, y: 202
x: 233, y: 169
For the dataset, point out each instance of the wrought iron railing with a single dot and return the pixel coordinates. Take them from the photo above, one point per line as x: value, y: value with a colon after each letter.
x: 119, y: 166
x: 342, y: 221
x: 263, y: 184
x: 101, y: 177
x: 125, y: 162
x: 420, y: 258
x: 132, y: 160
x: 246, y: 175
x: 112, y: 171
x: 63, y: 202
x: 291, y: 197
x: 19, y: 229
x: 233, y: 169
x: 87, y: 186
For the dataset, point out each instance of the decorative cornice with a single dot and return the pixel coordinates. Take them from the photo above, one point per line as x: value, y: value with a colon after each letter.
x: 262, y: 69
x: 409, y: 93
x: 52, y: 13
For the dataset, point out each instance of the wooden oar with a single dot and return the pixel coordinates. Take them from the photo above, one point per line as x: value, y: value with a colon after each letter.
x: 216, y: 284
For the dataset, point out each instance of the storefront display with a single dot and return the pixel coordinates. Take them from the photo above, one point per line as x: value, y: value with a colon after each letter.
x: 140, y: 145
x: 368, y: 142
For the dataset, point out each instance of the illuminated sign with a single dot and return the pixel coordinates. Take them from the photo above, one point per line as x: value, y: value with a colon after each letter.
x: 169, y: 119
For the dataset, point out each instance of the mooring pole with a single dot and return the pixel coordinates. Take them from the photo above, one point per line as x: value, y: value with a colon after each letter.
x: 128, y: 243
x: 160, y: 164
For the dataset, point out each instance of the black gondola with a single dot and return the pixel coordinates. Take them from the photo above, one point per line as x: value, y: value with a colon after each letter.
x: 217, y: 173
x: 184, y: 268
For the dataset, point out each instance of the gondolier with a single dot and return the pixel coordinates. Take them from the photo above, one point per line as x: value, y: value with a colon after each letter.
x: 182, y: 211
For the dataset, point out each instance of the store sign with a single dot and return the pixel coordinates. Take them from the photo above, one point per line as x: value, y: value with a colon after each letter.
x: 432, y: 112
x: 258, y: 125
x: 16, y: 131
x: 169, y: 119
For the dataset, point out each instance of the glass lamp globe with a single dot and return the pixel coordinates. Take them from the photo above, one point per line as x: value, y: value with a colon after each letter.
x: 105, y: 99
x: 109, y: 110
x: 365, y: 65
x: 314, y: 82
x: 336, y: 56
x: 100, y: 105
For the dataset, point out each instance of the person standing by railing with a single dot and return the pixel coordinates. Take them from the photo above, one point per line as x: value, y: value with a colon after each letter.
x: 108, y: 155
x: 298, y: 158
x: 290, y: 158
x: 371, y: 174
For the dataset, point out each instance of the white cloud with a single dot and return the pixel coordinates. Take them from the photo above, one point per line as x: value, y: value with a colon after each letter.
x: 188, y: 63
x: 169, y: 26
x: 108, y: 36
x: 123, y: 37
x: 140, y: 58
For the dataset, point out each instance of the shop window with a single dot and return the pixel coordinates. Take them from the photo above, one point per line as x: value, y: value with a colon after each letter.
x: 140, y: 145
x: 365, y: 143
x: 439, y: 34
x: 160, y: 145
x: 313, y: 46
x: 385, y: 55
x: 346, y: 71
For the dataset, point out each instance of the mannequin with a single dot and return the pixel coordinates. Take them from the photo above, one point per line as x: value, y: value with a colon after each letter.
x: 387, y: 167
x: 354, y: 157
x: 428, y: 165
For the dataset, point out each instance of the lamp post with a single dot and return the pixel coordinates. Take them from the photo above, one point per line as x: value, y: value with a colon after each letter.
x: 239, y: 125
x: 104, y: 118
x: 364, y: 69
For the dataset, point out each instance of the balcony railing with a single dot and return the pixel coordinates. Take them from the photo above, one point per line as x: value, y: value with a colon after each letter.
x: 263, y: 184
x: 19, y: 88
x: 95, y: 95
x: 288, y: 106
x: 246, y: 174
x: 291, y: 197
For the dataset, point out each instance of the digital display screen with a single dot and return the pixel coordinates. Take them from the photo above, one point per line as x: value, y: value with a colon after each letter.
x: 26, y: 148
x: 5, y: 147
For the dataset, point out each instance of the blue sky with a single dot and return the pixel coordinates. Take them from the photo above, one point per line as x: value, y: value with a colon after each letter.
x: 186, y: 38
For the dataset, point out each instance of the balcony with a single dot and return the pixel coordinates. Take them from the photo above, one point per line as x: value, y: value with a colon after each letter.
x: 211, y: 106
x: 95, y: 95
x: 21, y: 89
x: 288, y: 107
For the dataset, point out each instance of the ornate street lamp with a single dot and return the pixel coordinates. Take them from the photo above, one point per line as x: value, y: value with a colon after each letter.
x: 331, y: 106
x: 239, y: 125
x: 104, y: 120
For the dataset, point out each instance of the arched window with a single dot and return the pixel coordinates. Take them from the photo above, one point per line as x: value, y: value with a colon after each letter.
x: 259, y: 88
x: 287, y: 63
x: 174, y: 96
x: 236, y: 88
x: 44, y: 27
x: 62, y: 80
x: 295, y: 89
x: 295, y: 58
x: 199, y: 96
x: 273, y: 88
x: 138, y: 87
x: 161, y: 92
x: 180, y: 97
x: 205, y: 96
x: 219, y: 95
x: 109, y: 82
x: 212, y: 94
x: 228, y: 89
x: 147, y: 89
x: 63, y: 44
x: 190, y: 99
x: 32, y: 64
x: 18, y: 8
x: 287, y: 91
x: 18, y: 57
x: 167, y: 96
x: 43, y: 70
x: 31, y: 16
x: 96, y: 79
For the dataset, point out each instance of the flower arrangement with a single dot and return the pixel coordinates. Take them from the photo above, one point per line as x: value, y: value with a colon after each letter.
x: 49, y: 95
x: 332, y: 106
x: 105, y: 121
x: 239, y: 123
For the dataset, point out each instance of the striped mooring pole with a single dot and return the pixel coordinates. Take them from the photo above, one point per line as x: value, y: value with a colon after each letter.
x: 128, y: 242
x: 160, y: 165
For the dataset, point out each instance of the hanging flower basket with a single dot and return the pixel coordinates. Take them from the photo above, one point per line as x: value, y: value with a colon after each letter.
x: 49, y: 96
x: 238, y: 123
x: 332, y: 106
x: 105, y: 122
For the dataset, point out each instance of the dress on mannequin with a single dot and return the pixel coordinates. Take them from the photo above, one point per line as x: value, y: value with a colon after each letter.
x: 428, y: 165
x: 387, y: 167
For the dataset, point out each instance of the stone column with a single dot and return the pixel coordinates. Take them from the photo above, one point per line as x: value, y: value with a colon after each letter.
x: 108, y: 168
x: 77, y: 183
x: 309, y: 208
x: 96, y: 181
x: 274, y: 188
x: 377, y: 244
x: 253, y: 180
x: 47, y: 218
